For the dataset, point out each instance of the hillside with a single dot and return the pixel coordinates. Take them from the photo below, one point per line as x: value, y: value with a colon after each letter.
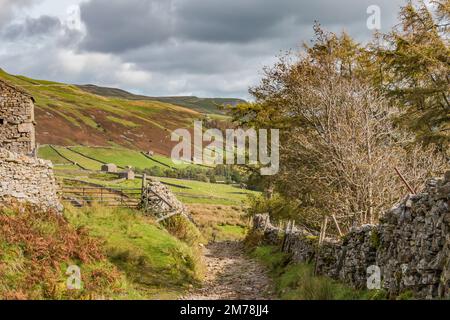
x: 202, y: 105
x: 68, y: 115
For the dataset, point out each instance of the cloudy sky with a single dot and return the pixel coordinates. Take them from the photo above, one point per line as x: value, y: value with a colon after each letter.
x: 207, y: 48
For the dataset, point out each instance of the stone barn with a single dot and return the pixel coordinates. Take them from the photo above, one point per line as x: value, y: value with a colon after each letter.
x: 109, y: 168
x: 17, y: 125
x: 128, y: 175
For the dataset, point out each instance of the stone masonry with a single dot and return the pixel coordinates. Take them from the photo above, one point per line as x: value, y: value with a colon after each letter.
x: 22, y: 176
x: 410, y: 246
x: 27, y: 180
x: 17, y: 126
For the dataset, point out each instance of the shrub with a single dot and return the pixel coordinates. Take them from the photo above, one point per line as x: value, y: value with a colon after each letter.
x: 36, y: 249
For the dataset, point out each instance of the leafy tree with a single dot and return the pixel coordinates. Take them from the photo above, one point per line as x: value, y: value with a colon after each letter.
x: 413, y: 63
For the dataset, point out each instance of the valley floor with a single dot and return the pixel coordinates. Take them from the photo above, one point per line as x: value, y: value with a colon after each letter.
x: 232, y: 275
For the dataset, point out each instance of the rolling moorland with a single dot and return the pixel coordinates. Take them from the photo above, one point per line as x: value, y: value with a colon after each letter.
x: 202, y: 105
x: 70, y: 115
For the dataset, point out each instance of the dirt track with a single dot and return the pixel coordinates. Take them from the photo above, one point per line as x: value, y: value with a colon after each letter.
x: 232, y: 275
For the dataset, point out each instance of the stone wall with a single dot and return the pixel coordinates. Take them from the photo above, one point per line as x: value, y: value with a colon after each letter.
x: 410, y: 246
x: 17, y: 128
x: 27, y: 180
x: 165, y: 203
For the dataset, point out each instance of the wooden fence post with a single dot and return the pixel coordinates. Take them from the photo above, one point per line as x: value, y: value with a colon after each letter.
x: 144, y: 181
x: 286, y: 230
x: 144, y: 200
x: 405, y: 182
x: 84, y: 197
x: 266, y: 223
x: 337, y: 225
x: 323, y: 231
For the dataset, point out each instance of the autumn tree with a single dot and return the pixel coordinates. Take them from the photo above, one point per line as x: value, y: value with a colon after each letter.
x: 339, y: 142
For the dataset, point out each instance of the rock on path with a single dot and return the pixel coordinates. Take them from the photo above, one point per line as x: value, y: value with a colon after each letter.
x: 232, y: 275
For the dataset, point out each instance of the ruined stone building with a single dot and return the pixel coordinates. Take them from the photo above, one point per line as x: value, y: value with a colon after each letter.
x: 17, y: 125
x: 22, y: 177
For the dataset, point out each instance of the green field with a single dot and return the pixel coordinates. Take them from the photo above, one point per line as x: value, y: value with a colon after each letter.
x: 207, y: 193
x: 119, y: 156
x: 168, y: 162
x: 84, y: 162
x: 231, y: 232
x: 48, y: 153
x: 126, y: 157
x: 188, y: 191
x: 122, y: 157
x: 92, y: 157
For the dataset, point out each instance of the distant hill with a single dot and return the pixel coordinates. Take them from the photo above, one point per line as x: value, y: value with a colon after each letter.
x: 202, y: 105
x: 68, y: 115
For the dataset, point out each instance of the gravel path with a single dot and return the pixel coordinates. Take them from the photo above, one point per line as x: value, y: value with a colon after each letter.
x: 232, y: 275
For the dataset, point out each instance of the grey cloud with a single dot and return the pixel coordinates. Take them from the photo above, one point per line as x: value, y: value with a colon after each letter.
x: 70, y: 38
x: 202, y: 58
x: 32, y: 27
x: 234, y: 21
x: 191, y: 57
x: 117, y: 25
x: 203, y: 47
x: 249, y: 20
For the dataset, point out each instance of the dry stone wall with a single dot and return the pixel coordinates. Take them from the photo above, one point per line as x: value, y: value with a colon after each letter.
x: 17, y: 127
x: 165, y: 202
x: 410, y: 246
x: 27, y: 179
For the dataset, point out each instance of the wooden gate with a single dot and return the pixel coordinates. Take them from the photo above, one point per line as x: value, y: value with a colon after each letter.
x: 144, y: 198
x: 111, y: 197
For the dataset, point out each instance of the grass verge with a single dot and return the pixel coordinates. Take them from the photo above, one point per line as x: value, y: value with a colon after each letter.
x: 120, y: 253
x: 296, y: 281
x: 159, y: 265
